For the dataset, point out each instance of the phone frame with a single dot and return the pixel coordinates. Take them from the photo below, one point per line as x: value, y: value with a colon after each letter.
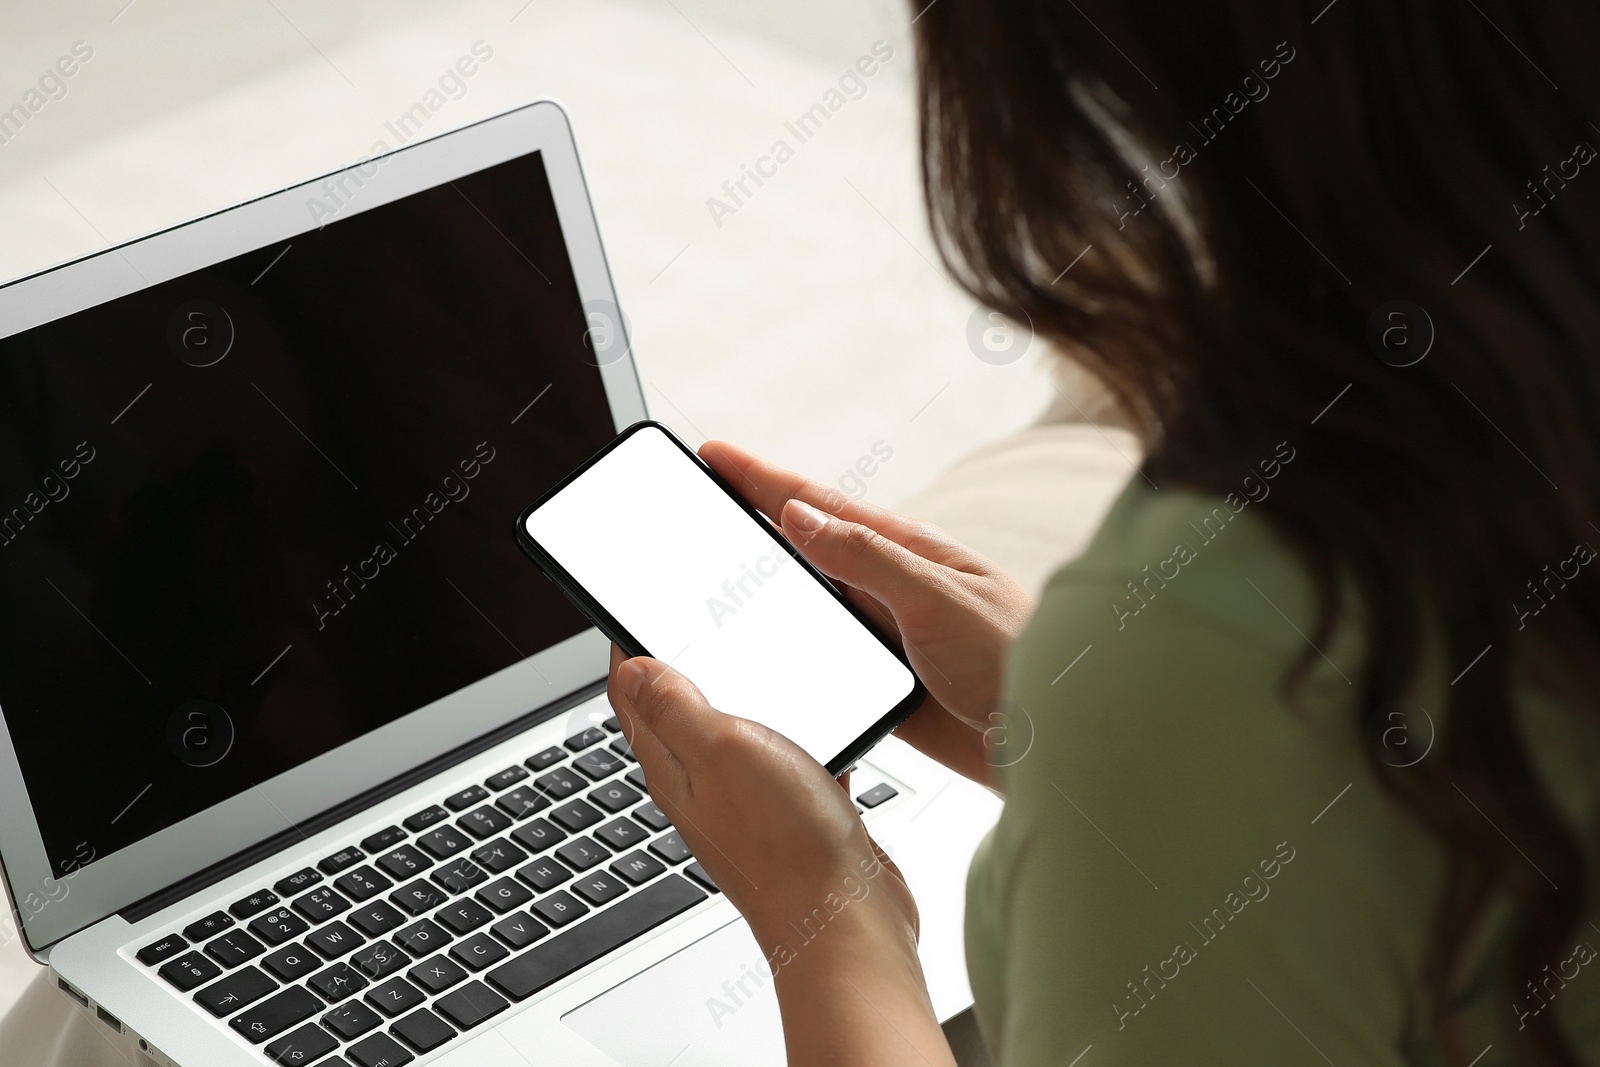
x: 608, y: 624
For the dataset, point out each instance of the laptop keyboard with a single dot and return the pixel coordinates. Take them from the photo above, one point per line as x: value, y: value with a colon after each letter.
x: 390, y: 948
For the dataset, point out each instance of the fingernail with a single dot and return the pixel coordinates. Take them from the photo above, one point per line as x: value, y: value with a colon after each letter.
x: 631, y: 677
x: 806, y: 517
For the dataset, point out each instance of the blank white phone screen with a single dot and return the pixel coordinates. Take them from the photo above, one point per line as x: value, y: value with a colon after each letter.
x: 701, y: 586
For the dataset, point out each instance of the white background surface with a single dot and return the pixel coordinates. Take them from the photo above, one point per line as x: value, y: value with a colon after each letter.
x: 811, y: 324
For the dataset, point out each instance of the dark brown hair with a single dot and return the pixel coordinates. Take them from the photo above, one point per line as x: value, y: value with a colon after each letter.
x: 1243, y: 188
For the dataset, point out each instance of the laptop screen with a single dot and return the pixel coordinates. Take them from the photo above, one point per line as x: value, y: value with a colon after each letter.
x: 254, y: 512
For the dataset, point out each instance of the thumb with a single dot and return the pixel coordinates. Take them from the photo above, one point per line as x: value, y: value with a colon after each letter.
x: 859, y: 556
x: 668, y: 714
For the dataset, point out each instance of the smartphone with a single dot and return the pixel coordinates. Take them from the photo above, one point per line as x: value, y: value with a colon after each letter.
x: 668, y: 561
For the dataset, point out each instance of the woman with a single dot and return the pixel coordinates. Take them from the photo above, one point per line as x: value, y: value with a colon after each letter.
x: 1313, y: 764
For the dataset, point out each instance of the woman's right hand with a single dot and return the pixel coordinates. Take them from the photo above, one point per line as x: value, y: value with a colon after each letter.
x: 952, y: 611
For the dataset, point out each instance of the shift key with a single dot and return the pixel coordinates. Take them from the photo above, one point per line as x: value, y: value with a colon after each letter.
x: 272, y: 1017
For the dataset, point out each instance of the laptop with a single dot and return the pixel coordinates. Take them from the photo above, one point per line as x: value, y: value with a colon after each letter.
x: 302, y: 762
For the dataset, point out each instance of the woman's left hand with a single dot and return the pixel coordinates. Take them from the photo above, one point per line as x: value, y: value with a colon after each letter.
x: 833, y: 916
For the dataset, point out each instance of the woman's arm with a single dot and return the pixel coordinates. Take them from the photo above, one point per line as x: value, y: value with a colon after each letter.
x: 784, y: 842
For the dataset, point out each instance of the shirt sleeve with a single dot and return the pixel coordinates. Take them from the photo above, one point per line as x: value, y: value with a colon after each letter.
x: 1189, y: 869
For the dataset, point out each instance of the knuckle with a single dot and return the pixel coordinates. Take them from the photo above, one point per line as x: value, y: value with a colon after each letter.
x: 860, y: 540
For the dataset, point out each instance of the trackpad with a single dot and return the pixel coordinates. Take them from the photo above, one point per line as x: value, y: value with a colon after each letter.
x: 708, y: 1005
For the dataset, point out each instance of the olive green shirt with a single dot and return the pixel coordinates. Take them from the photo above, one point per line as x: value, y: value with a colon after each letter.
x: 1192, y: 868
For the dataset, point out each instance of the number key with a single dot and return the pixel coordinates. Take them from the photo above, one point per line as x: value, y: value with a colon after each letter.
x: 278, y: 926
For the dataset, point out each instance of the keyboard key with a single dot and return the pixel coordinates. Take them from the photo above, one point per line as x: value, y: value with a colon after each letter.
x: 561, y: 955
x: 422, y: 937
x: 275, y: 1015
x: 337, y: 981
x: 395, y: 996
x: 544, y: 874
x: 157, y: 951
x: 234, y: 948
x: 548, y: 758
x: 560, y: 783
x: 379, y: 1050
x: 582, y: 853
x: 578, y: 742
x: 877, y: 795
x: 612, y: 725
x: 621, y: 834
x: 483, y: 823
x: 638, y: 868
x: 560, y: 908
x: 621, y: 747
x: 423, y: 1030
x: 599, y: 763
x: 363, y: 883
x: 444, y: 842
x: 334, y: 940
x: 635, y: 778
x: 189, y: 970
x: 575, y: 816
x: 506, y: 778
x: 470, y: 1005
x: 698, y: 873
x: 522, y: 802
x: 436, y: 974
x: 652, y: 816
x: 460, y: 876
x: 344, y: 858
x: 278, y: 926
x: 378, y: 917
x: 385, y: 838
x: 305, y: 1045
x: 614, y: 796
x: 351, y: 1019
x: 504, y: 895
x: 426, y: 818
x: 418, y: 897
x: 466, y: 798
x: 519, y: 930
x: 538, y: 835
x: 479, y: 951
x: 320, y: 905
x: 598, y: 887
x: 462, y: 916
x: 244, y: 986
x: 211, y: 925
x: 379, y: 960
x: 404, y: 861
x: 671, y: 848
x: 499, y: 856
x: 291, y: 963
x: 299, y: 880
x: 254, y: 904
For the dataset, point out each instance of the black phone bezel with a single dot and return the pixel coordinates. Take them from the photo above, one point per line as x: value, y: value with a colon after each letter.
x: 607, y: 624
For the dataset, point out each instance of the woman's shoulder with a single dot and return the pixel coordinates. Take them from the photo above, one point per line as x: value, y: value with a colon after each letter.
x: 1166, y: 560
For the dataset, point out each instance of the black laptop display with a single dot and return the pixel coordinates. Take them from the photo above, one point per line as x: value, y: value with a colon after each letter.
x: 254, y: 512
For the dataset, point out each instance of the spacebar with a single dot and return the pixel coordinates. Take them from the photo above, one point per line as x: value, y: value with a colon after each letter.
x: 594, y: 937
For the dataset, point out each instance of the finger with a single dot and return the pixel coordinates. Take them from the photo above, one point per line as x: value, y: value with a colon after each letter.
x: 768, y: 486
x: 671, y: 708
x: 662, y: 769
x: 860, y: 556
